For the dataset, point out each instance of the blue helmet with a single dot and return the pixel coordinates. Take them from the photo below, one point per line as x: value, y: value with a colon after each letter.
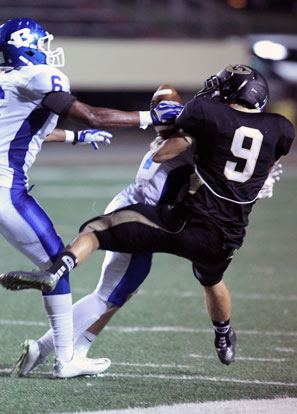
x: 24, y: 42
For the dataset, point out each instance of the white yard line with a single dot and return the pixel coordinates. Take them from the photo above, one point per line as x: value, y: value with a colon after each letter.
x: 79, y: 192
x: 47, y: 175
x: 271, y: 406
x: 189, y: 294
x: 22, y: 323
x: 176, y: 329
x: 181, y: 378
x: 242, y: 358
x: 202, y: 378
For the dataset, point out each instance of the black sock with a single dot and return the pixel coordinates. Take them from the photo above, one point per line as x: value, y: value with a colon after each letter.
x: 221, y: 331
x: 64, y: 264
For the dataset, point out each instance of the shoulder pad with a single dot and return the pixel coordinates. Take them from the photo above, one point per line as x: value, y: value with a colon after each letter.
x: 45, y: 79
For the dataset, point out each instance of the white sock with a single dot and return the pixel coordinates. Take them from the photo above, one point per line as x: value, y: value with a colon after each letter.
x: 84, y: 342
x: 85, y: 312
x: 59, y: 311
x: 46, y: 344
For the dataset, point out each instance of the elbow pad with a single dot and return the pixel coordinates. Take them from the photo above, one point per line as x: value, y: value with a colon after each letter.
x: 58, y: 102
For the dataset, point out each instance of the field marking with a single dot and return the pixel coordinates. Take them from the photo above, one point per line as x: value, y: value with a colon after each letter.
x: 181, y: 329
x: 100, y: 174
x: 152, y: 365
x: 189, y: 294
x: 82, y: 192
x: 177, y: 329
x: 23, y: 323
x: 237, y: 295
x: 260, y: 406
x: 177, y: 377
x: 202, y: 378
x: 242, y: 358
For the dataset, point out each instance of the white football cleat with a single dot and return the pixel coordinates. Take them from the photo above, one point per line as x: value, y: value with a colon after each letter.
x: 28, y: 360
x: 79, y: 366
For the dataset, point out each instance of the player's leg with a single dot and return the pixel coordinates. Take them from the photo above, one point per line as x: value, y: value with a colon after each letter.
x: 218, y: 301
x: 31, y: 231
x: 218, y: 305
x: 138, y: 228
x: 26, y: 226
x: 121, y: 275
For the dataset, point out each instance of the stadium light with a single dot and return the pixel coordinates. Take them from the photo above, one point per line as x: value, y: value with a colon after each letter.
x: 266, y: 49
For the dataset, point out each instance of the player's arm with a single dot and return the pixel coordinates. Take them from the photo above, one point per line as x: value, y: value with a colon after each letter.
x: 94, y: 117
x: 66, y: 106
x: 171, y: 148
x: 58, y: 135
x: 103, y: 117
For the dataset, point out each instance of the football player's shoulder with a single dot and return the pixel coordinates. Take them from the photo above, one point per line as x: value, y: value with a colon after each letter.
x: 285, y: 125
x: 44, y: 79
x: 203, y: 103
x: 288, y: 127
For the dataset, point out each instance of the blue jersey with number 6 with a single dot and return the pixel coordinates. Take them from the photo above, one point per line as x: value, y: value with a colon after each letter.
x: 24, y: 123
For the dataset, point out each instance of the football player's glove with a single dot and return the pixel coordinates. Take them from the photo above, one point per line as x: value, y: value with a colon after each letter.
x: 274, y: 175
x: 93, y: 136
x: 166, y: 112
x: 89, y: 136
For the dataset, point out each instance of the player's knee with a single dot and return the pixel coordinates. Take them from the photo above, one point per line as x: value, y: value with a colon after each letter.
x: 206, y: 279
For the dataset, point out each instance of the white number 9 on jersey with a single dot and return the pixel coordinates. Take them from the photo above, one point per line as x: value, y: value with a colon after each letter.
x: 249, y: 154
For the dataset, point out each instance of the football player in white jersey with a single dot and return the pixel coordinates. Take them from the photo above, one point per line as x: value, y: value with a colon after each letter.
x: 33, y: 94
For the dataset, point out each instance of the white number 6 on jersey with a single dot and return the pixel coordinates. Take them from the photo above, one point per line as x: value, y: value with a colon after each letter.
x: 249, y: 154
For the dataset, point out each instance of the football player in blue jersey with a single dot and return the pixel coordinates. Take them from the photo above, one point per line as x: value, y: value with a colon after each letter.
x: 207, y: 236
x: 33, y: 94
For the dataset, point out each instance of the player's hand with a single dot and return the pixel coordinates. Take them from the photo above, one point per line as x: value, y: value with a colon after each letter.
x: 276, y: 172
x: 274, y: 175
x: 94, y: 136
x: 156, y: 144
x: 166, y: 112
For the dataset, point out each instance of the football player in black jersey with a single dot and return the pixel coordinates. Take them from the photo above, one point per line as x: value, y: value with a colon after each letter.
x: 236, y: 146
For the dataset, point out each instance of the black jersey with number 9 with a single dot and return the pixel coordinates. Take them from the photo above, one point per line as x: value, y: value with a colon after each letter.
x: 235, y: 150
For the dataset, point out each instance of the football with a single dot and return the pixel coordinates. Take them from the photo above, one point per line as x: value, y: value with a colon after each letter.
x: 165, y: 93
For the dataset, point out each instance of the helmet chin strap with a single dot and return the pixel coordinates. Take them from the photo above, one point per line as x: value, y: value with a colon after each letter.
x: 26, y: 61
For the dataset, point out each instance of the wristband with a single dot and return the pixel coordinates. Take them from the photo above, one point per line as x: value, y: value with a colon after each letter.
x: 71, y: 137
x: 145, y: 119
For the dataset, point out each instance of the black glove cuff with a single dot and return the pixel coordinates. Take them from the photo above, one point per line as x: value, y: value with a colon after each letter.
x: 75, y: 139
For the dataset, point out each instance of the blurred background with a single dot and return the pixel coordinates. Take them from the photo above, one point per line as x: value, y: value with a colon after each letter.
x: 119, y: 51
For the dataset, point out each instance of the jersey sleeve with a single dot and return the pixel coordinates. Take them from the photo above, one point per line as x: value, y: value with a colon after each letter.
x: 286, y: 139
x: 48, y: 79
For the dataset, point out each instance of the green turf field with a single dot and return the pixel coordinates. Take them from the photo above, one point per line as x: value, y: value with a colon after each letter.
x: 161, y: 343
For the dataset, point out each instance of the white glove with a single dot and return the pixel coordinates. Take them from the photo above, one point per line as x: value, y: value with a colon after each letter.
x: 88, y: 136
x: 274, y: 175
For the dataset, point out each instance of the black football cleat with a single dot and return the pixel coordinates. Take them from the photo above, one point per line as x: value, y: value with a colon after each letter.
x: 226, y: 354
x: 19, y: 280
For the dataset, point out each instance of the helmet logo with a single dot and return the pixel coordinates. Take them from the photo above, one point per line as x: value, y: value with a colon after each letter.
x: 239, y: 69
x: 21, y: 37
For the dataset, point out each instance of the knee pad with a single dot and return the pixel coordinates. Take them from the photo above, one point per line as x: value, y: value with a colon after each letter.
x: 206, y: 280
